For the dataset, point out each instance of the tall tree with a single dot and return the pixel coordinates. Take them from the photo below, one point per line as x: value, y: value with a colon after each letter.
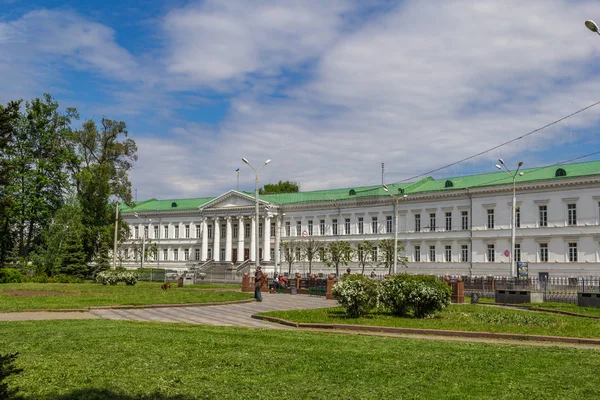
x: 364, y: 254
x: 386, y: 254
x: 279, y: 187
x: 336, y: 254
x: 290, y: 251
x: 311, y: 248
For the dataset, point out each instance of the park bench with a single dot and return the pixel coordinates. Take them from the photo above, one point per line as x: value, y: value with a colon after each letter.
x: 317, y: 287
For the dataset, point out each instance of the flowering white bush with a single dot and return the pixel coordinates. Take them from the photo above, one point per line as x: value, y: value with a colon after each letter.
x: 420, y: 295
x: 356, y: 293
x: 113, y: 277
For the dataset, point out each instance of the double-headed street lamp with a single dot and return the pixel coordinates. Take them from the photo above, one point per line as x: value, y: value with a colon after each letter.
x: 513, y: 175
x: 145, y: 219
x: 591, y: 25
x: 257, y: 241
x: 396, y: 197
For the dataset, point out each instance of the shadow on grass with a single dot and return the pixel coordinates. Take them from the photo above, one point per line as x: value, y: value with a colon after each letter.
x: 102, y: 394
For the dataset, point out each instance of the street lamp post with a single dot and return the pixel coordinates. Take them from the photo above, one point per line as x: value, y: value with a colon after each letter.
x: 395, y: 226
x: 591, y: 25
x: 513, y: 175
x: 257, y: 241
x: 278, y: 243
x: 143, y: 235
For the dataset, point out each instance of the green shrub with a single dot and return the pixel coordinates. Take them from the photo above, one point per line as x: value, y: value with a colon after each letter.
x: 64, y: 278
x: 113, y: 277
x: 11, y: 275
x: 39, y: 278
x: 419, y: 295
x: 357, y: 294
x: 7, y: 368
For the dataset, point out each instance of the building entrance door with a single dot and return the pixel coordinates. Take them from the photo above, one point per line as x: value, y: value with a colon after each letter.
x: 234, y: 255
x: 246, y: 254
x: 260, y: 257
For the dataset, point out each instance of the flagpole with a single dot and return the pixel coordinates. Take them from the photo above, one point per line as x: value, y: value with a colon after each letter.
x: 238, y: 180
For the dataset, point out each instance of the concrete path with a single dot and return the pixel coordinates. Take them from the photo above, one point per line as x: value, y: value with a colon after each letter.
x: 221, y: 315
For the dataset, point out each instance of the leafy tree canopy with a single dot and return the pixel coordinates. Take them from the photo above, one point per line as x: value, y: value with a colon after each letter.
x: 280, y: 187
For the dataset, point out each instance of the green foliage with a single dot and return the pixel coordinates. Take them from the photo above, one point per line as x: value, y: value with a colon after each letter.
x: 364, y: 254
x: 73, y: 256
x: 11, y: 275
x: 290, y: 250
x: 279, y: 187
x: 386, y: 254
x: 64, y: 278
x: 417, y: 295
x: 7, y: 369
x: 338, y: 253
x: 112, y: 277
x: 357, y: 294
x: 311, y: 248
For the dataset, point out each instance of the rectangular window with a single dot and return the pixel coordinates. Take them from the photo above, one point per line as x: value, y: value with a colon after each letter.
x: 490, y: 218
x: 298, y: 228
x: 175, y: 254
x: 166, y: 231
x: 491, y: 253
x: 209, y: 229
x: 347, y: 226
x: 360, y: 252
x: 287, y: 228
x: 518, y: 217
x: 272, y: 231
x: 572, y: 252
x: 361, y: 225
x: 209, y: 254
x: 517, y: 252
x: 235, y: 231
x: 417, y: 222
x: 197, y: 254
x: 448, y: 253
x: 222, y: 254
x: 334, y: 226
x: 417, y: 253
x: 432, y: 253
x: 543, y: 252
x: 155, y: 231
x: 136, y: 231
x: 374, y: 227
x: 431, y: 222
x: 543, y: 215
x: 186, y: 254
x: 272, y: 254
x: 176, y: 231
x: 145, y: 232
x: 187, y: 231
x: 388, y: 224
x: 571, y: 214
x: 297, y: 255
x: 322, y: 227
x: 464, y: 253
x: 223, y: 231
x: 165, y: 255
x: 247, y: 230
x: 464, y: 215
x: 449, y: 221
x: 310, y: 227
x: 198, y: 231
x: 260, y: 230
x: 375, y: 254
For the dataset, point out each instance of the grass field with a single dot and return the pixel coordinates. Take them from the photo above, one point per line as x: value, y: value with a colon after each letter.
x: 467, y: 317
x: 102, y: 359
x: 21, y: 296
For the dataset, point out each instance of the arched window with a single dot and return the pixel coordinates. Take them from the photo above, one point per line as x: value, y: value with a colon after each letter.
x: 352, y: 192
x: 560, y: 172
x: 448, y: 184
x: 173, y: 204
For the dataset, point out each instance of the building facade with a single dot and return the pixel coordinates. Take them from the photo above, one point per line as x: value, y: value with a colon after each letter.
x: 451, y: 226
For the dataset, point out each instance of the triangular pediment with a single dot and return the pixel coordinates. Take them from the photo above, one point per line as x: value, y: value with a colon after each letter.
x: 232, y: 199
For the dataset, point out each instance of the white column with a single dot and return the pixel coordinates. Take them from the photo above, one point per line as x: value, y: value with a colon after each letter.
x: 204, y: 255
x: 217, y: 240
x: 267, y: 239
x: 278, y: 242
x: 241, y: 230
x: 228, y: 239
x: 253, y: 239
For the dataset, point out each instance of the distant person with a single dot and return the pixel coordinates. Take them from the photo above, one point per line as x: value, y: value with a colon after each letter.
x: 348, y: 272
x: 274, y: 284
x: 259, y: 279
x: 373, y: 274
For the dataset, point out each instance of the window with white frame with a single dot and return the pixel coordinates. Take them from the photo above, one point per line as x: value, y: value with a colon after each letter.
x: 272, y: 253
x: 375, y: 254
x: 543, y: 252
x: 209, y: 229
x: 464, y: 216
x: 518, y: 217
x: 464, y: 253
x: 347, y: 226
x: 187, y: 231
x: 155, y: 231
x: 197, y: 254
x: 209, y: 254
x: 374, y: 227
x: 165, y: 255
x: 431, y: 222
x: 198, y: 231
x: 136, y: 231
x: 361, y: 226
x: 175, y: 255
x: 222, y: 254
x: 186, y: 254
x: 247, y: 230
x: 166, y: 231
x: 571, y: 214
x: 448, y: 253
x: 432, y: 253
x: 388, y: 224
x: 490, y: 218
x: 223, y: 231
x: 334, y: 226
x: 573, y: 252
x: 310, y: 227
x: 491, y: 253
x: 543, y: 211
x: 235, y: 231
x: 517, y: 252
x: 417, y: 222
x: 146, y: 232
x: 273, y: 230
x: 297, y: 255
x: 298, y: 228
x: 322, y: 227
x: 448, y: 220
x: 260, y: 230
x: 176, y: 231
x: 417, y: 255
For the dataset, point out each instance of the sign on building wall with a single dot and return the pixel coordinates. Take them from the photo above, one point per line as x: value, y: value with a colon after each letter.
x: 523, y: 270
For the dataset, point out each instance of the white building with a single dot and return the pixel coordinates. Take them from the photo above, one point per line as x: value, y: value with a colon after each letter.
x: 450, y: 226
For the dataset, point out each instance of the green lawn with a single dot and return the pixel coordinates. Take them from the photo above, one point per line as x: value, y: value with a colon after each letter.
x: 103, y: 359
x: 94, y: 294
x: 574, y: 308
x: 467, y: 317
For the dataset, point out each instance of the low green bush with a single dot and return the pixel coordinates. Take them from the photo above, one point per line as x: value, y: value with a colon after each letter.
x: 357, y: 294
x: 417, y: 295
x: 64, y: 278
x: 113, y: 277
x: 11, y: 275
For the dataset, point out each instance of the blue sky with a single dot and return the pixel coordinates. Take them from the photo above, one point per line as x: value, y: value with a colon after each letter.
x: 327, y: 90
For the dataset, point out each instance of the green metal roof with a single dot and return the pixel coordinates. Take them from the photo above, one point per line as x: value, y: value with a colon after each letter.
x: 424, y: 185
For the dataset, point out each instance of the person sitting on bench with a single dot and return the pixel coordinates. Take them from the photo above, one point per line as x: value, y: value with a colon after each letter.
x: 274, y: 285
